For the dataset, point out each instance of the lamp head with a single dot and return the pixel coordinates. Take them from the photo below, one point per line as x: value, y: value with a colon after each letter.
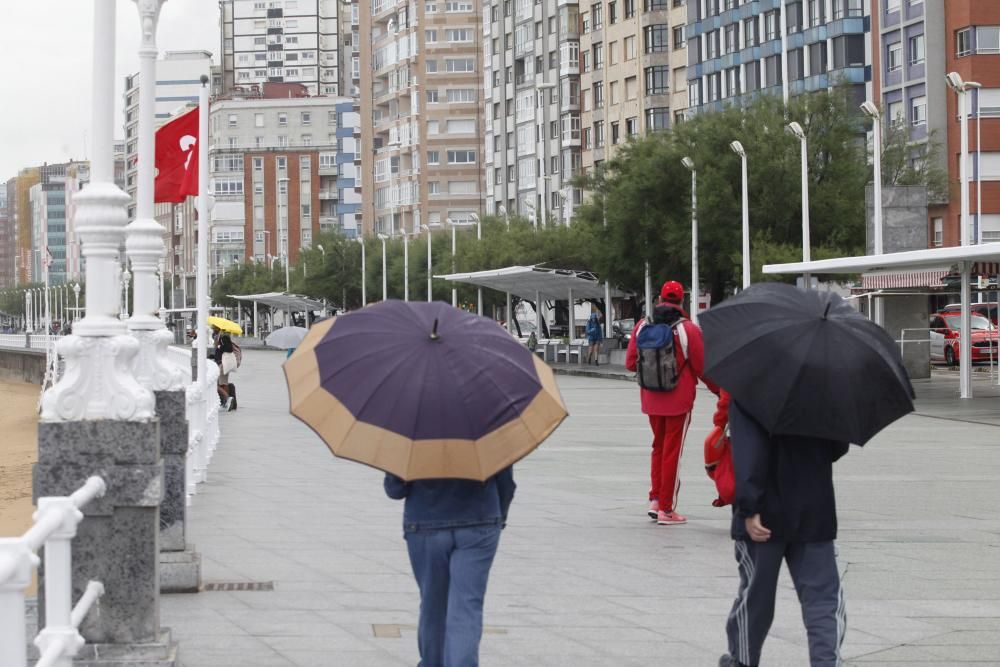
x: 797, y: 130
x: 688, y: 162
x: 382, y: 237
x: 870, y: 109
x: 737, y: 148
x: 955, y: 81
x: 320, y: 248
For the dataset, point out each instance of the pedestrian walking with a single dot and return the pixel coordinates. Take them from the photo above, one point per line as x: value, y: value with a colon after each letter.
x: 667, y: 353
x: 225, y: 357
x: 806, y: 374
x: 595, y: 335
x: 452, y: 530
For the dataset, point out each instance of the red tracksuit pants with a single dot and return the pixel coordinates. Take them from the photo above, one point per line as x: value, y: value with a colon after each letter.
x: 668, y: 443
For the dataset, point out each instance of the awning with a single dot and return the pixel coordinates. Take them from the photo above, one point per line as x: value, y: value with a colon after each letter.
x: 281, y: 301
x: 903, y: 279
x: 529, y: 281
x: 931, y: 258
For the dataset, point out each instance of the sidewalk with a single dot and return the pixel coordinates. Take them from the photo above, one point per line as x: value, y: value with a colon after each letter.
x: 582, y: 577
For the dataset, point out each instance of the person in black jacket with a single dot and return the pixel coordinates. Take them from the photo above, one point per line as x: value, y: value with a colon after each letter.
x: 784, y: 510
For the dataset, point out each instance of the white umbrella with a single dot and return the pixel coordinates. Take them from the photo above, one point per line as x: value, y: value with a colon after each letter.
x: 286, y: 337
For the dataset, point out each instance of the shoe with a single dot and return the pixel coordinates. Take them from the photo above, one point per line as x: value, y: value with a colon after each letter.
x: 229, y: 404
x: 669, y: 518
x: 233, y: 408
x: 728, y: 661
x: 654, y: 509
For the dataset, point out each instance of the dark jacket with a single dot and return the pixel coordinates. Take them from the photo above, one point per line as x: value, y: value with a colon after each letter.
x: 223, y: 344
x: 441, y: 504
x: 787, y: 479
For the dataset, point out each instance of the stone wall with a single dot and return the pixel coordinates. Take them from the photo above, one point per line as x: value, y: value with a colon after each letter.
x: 909, y: 311
x: 22, y: 365
x: 904, y: 218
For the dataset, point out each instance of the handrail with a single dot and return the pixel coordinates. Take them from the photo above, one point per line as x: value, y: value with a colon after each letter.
x: 54, y: 528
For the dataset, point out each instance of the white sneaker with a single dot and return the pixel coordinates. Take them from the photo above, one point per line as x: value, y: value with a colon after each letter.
x: 229, y: 404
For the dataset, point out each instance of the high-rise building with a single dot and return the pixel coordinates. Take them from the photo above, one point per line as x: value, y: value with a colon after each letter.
x: 19, y: 210
x: 47, y: 203
x: 422, y: 103
x: 738, y: 49
x: 532, y: 79
x: 7, y: 251
x: 918, y: 44
x: 283, y: 170
x: 311, y: 42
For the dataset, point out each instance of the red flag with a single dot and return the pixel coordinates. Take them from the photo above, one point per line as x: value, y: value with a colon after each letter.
x: 177, y: 159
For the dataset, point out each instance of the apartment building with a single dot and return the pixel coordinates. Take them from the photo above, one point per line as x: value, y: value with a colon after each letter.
x: 282, y: 171
x: 310, y: 42
x: 738, y: 49
x: 633, y: 72
x: 422, y: 103
x: 7, y: 248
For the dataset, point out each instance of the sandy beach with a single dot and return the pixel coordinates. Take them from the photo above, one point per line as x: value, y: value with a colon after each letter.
x: 18, y: 451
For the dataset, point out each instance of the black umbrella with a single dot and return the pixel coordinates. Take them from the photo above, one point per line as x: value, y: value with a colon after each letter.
x: 806, y: 363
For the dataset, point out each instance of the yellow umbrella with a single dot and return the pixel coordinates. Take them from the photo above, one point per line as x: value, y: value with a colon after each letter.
x: 225, y: 325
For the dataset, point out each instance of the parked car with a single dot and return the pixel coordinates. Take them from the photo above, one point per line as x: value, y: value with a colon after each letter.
x: 621, y: 330
x: 945, y: 327
x: 987, y: 310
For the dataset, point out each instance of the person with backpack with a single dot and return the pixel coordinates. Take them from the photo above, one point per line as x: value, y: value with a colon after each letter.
x: 594, y: 336
x: 668, y: 355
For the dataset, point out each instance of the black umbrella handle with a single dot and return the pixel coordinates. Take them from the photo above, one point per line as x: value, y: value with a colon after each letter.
x: 434, y: 332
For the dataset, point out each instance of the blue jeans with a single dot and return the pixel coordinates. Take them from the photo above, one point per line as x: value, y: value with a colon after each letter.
x: 451, y: 567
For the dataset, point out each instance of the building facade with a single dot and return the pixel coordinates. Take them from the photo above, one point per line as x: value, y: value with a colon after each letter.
x: 311, y: 42
x: 282, y: 171
x: 7, y: 248
x: 423, y: 105
x: 738, y: 49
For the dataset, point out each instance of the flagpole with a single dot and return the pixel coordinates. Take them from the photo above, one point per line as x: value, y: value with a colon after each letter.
x: 201, y: 276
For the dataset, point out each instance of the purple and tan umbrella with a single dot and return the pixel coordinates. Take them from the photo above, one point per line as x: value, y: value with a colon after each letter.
x: 423, y: 390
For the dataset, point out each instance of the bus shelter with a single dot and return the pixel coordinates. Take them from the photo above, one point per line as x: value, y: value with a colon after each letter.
x: 931, y: 259
x: 286, y: 303
x: 536, y: 283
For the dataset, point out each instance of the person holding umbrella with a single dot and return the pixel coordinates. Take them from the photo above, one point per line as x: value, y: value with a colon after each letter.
x: 444, y: 402
x: 807, y: 376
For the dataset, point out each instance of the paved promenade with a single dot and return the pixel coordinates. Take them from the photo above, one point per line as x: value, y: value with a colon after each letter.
x: 583, y: 578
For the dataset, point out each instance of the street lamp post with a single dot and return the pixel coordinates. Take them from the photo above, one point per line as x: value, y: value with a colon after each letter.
x: 364, y: 298
x: 502, y: 210
x: 872, y: 112
x: 695, y: 287
x: 385, y: 291
x: 284, y: 237
x: 543, y: 138
x: 800, y: 134
x: 962, y: 89
x: 76, y: 302
x: 406, y: 265
x: 454, y: 245
x: 479, y: 238
x: 739, y: 150
x: 430, y: 234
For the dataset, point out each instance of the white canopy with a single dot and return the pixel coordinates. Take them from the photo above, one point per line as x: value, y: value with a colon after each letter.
x: 529, y: 281
x: 281, y: 301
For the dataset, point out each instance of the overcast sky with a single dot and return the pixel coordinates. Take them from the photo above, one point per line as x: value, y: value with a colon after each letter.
x: 45, y: 90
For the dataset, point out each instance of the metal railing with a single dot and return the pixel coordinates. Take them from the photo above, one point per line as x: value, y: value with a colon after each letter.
x: 202, y: 410
x: 920, y: 341
x: 54, y: 528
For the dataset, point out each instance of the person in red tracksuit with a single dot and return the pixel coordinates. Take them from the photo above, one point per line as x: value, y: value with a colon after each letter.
x: 670, y: 411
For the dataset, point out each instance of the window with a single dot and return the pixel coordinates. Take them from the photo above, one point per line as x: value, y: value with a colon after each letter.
x: 895, y: 113
x: 817, y: 58
x: 613, y: 93
x: 628, y: 6
x: 598, y: 55
x: 657, y: 79
x: 458, y: 34
x: 585, y: 23
x: 511, y: 174
x: 793, y: 17
x: 771, y: 25
x: 229, y: 186
x: 848, y: 51
x: 305, y: 164
x: 679, y: 39
x: 892, y: 5
x: 595, y: 12
x: 258, y: 189
x: 538, y: 30
x: 918, y: 111
x: 585, y: 61
x: 433, y: 157
x: 694, y: 93
x: 894, y: 58
x: 587, y: 138
x: 599, y: 134
x: 615, y: 133
x: 655, y: 5
x: 916, y: 49
x: 631, y: 128
x: 732, y: 82
x: 815, y: 13
x: 461, y: 157
x: 553, y: 59
x: 657, y: 118
x: 599, y: 95
x: 462, y: 7
x: 712, y: 44
x: 432, y: 97
x: 258, y: 164
x: 631, y: 88
x: 432, y: 127
x: 750, y: 32
x: 462, y: 95
x: 731, y: 38
x: 963, y: 42
x: 282, y: 119
x: 938, y: 224
x: 612, y: 13
x: 460, y: 65
x: 655, y: 38
x: 461, y: 126
x: 431, y: 66
x: 629, y: 46
x: 430, y: 36
x: 233, y: 119
x: 796, y: 65
x: 988, y: 39
x: 306, y: 118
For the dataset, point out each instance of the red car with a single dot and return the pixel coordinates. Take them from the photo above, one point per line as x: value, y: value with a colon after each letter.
x: 987, y: 310
x: 945, y: 327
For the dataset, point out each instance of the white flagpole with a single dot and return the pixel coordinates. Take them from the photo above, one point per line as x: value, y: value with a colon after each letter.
x: 201, y: 276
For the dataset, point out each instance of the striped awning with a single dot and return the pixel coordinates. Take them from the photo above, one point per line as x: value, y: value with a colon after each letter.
x: 902, y: 279
x: 986, y: 269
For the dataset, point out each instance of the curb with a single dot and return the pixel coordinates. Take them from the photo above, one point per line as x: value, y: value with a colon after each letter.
x: 622, y: 375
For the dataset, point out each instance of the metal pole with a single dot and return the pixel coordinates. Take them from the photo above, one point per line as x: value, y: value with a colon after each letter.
x: 201, y: 274
x: 538, y: 315
x: 979, y: 176
x: 430, y: 270
x: 572, y: 319
x: 965, y: 335
x: 608, y: 314
x: 510, y: 317
x: 695, y: 287
x: 364, y: 298
x: 406, y: 266
x: 746, y: 222
x: 877, y: 218
x: 649, y: 292
x: 385, y: 291
x: 806, y: 245
x: 963, y: 168
x: 454, y: 245
x: 479, y: 290
x: 284, y: 243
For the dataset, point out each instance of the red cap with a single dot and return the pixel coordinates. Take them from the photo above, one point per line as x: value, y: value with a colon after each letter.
x: 672, y: 291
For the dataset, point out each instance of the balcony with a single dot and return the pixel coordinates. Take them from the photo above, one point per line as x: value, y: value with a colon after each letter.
x: 328, y: 194
x: 328, y: 221
x: 327, y: 169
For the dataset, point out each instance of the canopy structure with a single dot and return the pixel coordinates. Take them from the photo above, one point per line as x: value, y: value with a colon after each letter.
x: 281, y: 301
x: 936, y: 261
x: 536, y: 284
x: 530, y: 282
